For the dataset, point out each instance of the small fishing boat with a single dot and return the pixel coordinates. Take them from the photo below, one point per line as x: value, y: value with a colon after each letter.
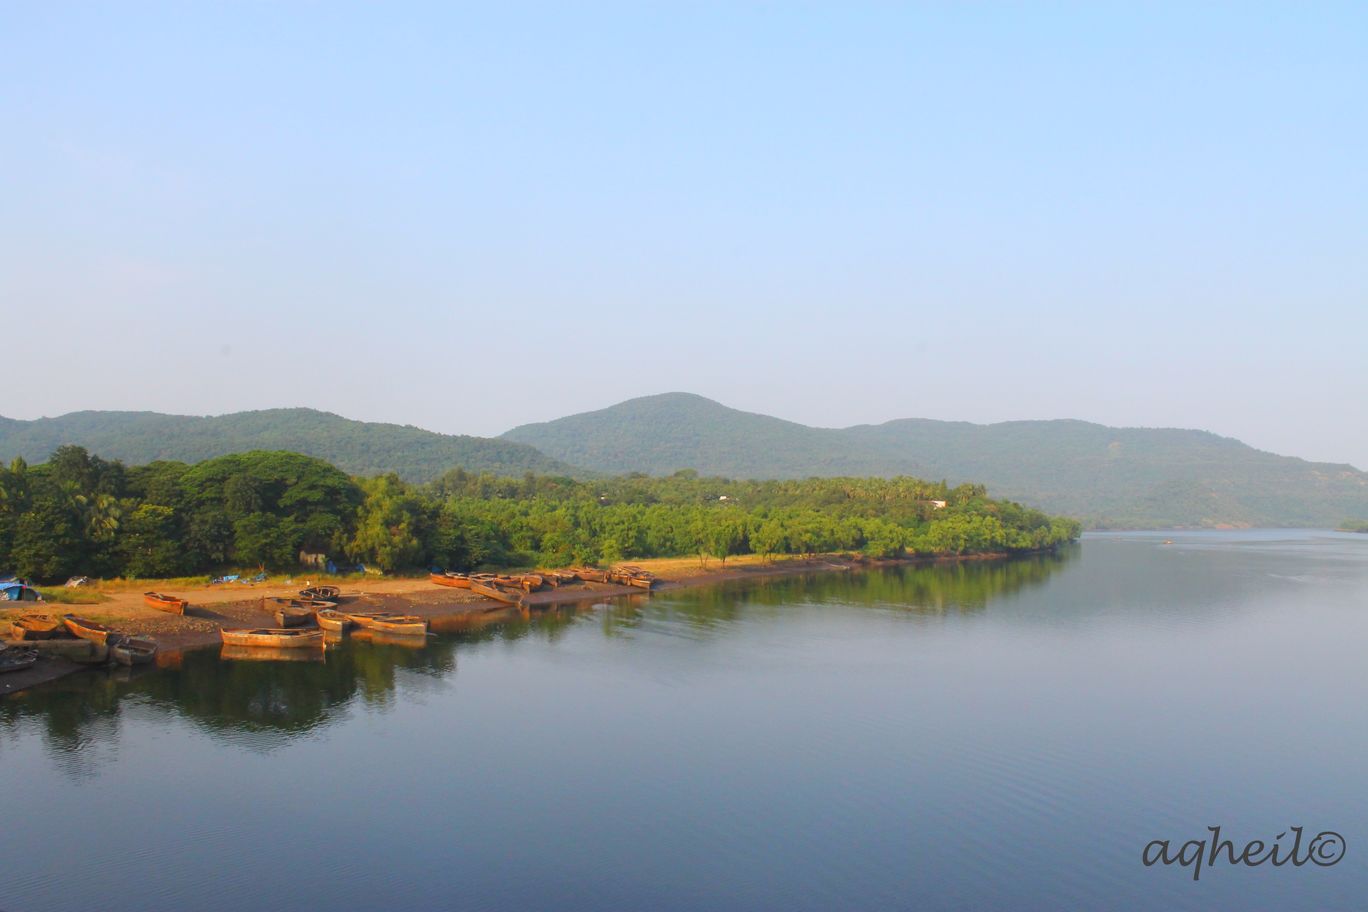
x: 132, y: 651
x: 291, y: 612
x: 498, y: 593
x: 306, y: 604
x: 12, y: 659
x: 363, y: 618
x: 321, y: 593
x: 404, y: 624
x: 279, y: 638
x: 293, y: 617
x: 632, y: 576
x: 591, y: 574
x: 453, y: 580
x: 167, y: 603
x: 332, y: 620
x: 35, y: 627
x: 87, y: 629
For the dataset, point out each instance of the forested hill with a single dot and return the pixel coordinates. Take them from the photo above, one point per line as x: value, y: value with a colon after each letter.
x: 1118, y: 477
x: 357, y: 447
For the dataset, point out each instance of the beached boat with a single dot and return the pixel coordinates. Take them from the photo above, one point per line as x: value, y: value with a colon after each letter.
x: 167, y: 603
x: 453, y: 580
x: 35, y: 627
x: 304, y: 604
x: 293, y: 617
x: 132, y: 651
x: 279, y: 638
x: 364, y: 618
x: 321, y: 593
x: 87, y: 629
x: 632, y: 576
x: 12, y: 659
x: 333, y: 620
x: 591, y: 574
x: 405, y: 624
x: 498, y: 593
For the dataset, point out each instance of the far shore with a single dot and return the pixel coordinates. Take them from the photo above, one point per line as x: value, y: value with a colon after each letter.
x: 213, y: 608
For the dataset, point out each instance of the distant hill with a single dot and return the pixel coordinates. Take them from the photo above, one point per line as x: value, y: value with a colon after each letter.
x: 358, y: 447
x: 1118, y: 477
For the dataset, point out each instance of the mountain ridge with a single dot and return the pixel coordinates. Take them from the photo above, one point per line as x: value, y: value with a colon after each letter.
x: 1121, y: 477
x: 357, y: 447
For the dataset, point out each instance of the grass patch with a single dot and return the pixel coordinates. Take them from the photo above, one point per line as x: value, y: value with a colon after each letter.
x: 64, y: 596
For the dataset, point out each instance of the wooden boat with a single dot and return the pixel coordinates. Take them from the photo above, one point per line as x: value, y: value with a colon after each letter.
x: 293, y: 612
x: 167, y: 603
x: 12, y: 659
x: 132, y: 651
x: 405, y: 624
x: 294, y: 617
x: 271, y: 653
x: 498, y: 593
x: 278, y: 638
x: 363, y: 618
x: 35, y: 627
x: 591, y: 574
x: 332, y: 620
x: 632, y: 576
x: 87, y: 629
x: 302, y: 604
x: 454, y: 580
x: 321, y: 593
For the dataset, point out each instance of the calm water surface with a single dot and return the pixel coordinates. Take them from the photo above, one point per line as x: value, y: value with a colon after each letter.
x: 990, y: 736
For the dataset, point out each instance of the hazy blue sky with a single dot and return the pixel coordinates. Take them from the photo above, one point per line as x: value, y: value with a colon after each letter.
x: 470, y: 219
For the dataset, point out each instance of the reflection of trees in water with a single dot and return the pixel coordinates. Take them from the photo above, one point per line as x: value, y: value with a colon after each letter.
x: 79, y: 721
x: 80, y: 715
x: 930, y: 589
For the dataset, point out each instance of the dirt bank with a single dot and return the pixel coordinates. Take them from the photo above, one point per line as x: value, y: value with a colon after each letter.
x: 213, y: 608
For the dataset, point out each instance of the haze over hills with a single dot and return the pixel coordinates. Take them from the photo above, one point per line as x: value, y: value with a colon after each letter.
x: 358, y: 447
x: 1109, y: 477
x: 1126, y: 477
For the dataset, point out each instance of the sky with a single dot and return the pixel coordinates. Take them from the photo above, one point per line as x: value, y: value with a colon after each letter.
x: 471, y: 217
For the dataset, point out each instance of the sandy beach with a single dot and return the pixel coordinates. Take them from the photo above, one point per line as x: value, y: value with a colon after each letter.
x: 448, y: 610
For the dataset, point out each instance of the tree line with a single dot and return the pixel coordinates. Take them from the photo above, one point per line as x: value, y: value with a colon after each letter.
x: 80, y: 514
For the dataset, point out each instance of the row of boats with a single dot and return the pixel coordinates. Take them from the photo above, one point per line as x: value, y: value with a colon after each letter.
x: 117, y: 648
x: 511, y: 589
x: 302, y: 622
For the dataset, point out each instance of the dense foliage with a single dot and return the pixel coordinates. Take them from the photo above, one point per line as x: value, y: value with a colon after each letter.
x: 79, y: 513
x: 1110, y: 477
x: 356, y: 447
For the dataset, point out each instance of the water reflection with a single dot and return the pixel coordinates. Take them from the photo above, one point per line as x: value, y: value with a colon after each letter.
x: 244, y: 694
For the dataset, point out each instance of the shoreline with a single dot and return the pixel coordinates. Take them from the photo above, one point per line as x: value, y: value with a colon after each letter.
x: 446, y: 609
